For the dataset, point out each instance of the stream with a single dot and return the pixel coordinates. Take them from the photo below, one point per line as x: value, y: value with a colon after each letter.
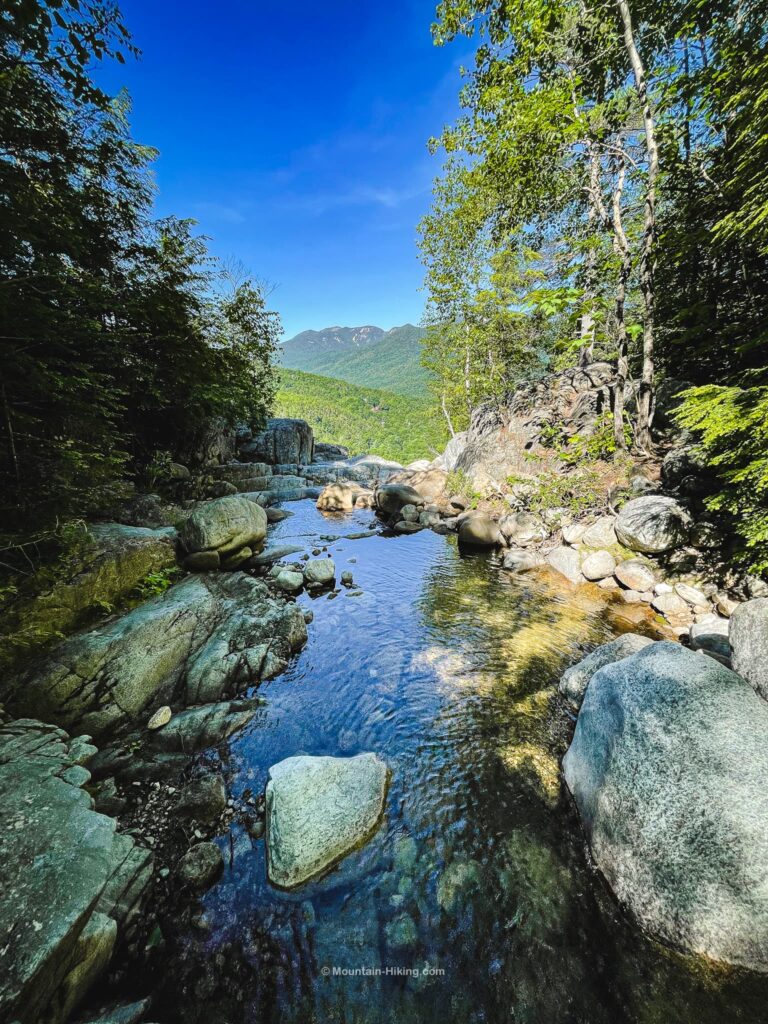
x: 475, y: 900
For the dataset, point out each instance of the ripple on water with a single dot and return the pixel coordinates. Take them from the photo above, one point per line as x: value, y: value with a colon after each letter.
x: 447, y: 667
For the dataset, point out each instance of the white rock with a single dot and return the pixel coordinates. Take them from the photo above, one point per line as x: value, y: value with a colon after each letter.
x: 693, y: 595
x: 598, y: 565
x: 572, y: 534
x: 160, y: 718
x: 320, y: 570
x: 601, y: 534
x: 635, y: 575
x: 567, y: 562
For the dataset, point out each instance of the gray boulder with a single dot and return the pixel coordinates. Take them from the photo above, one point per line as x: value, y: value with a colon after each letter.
x: 321, y: 571
x: 319, y: 809
x: 447, y: 461
x: 653, y: 524
x: 749, y: 643
x: 71, y: 884
x: 224, y: 524
x: 205, y: 638
x: 522, y: 528
x: 283, y: 441
x: 390, y: 498
x: 479, y: 530
x: 667, y: 768
x: 567, y: 562
x: 574, y: 681
x: 712, y: 634
x: 289, y: 581
x: 203, y: 800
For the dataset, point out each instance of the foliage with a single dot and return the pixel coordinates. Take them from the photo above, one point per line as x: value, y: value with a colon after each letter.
x: 580, y: 490
x: 115, y: 339
x: 155, y: 583
x: 457, y: 482
x: 364, y: 420
x: 731, y: 425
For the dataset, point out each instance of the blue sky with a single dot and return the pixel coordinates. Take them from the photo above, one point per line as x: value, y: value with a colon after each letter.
x: 295, y: 134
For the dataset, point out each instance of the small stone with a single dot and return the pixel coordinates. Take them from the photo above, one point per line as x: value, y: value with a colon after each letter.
x: 635, y: 575
x: 662, y: 588
x: 289, y: 581
x: 308, y: 615
x: 321, y: 571
x: 347, y: 578
x: 598, y: 565
x: 725, y: 604
x: 200, y: 866
x: 401, y: 933
x: 692, y: 595
x: 160, y: 718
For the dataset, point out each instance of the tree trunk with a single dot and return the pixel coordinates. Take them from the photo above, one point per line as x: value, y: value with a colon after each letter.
x: 621, y: 246
x: 647, y: 267
x: 447, y: 414
x: 587, y: 318
x: 467, y: 368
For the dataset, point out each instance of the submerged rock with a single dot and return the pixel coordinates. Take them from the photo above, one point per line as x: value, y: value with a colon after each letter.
x: 667, y: 768
x: 653, y: 524
x: 200, y: 866
x: 479, y: 530
x: 319, y: 809
x: 71, y: 883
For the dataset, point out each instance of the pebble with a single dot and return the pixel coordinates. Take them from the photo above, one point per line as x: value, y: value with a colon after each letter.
x: 160, y: 718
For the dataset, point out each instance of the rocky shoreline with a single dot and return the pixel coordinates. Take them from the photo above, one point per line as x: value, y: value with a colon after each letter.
x: 109, y: 719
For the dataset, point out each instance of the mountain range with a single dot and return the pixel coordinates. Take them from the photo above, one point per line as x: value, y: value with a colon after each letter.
x: 367, y: 356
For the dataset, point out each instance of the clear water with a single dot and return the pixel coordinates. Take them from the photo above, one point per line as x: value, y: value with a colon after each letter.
x: 475, y: 901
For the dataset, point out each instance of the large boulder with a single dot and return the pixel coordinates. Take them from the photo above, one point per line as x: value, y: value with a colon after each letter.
x: 749, y: 643
x: 71, y: 884
x: 343, y: 496
x: 203, y: 639
x: 319, y: 809
x: 225, y: 525
x: 428, y: 484
x: 574, y: 681
x: 667, y: 768
x: 653, y: 524
x: 480, y: 531
x: 110, y: 562
x: 391, y: 497
x: 282, y: 441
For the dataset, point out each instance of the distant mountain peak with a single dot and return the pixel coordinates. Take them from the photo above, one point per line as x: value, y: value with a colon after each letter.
x: 368, y: 356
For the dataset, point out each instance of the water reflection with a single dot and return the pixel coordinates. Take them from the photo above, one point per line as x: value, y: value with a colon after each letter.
x: 446, y: 666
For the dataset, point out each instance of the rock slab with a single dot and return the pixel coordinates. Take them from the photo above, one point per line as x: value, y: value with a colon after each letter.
x: 319, y: 809
x: 749, y: 643
x: 667, y: 768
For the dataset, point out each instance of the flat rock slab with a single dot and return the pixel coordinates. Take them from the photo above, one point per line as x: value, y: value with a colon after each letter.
x: 319, y: 809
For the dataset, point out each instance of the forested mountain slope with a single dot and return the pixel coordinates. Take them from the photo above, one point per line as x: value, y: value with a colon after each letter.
x: 398, y: 427
x: 389, y: 359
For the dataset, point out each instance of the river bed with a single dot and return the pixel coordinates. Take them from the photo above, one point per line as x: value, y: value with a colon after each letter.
x: 475, y: 900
